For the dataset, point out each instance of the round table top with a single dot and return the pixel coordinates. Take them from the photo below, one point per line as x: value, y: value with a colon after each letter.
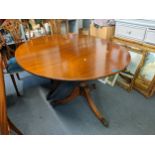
x: 71, y: 57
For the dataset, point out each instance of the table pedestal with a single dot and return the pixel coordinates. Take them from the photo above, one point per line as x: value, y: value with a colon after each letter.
x: 83, y: 90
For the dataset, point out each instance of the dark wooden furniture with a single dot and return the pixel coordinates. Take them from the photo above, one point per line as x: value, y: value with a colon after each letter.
x: 56, y: 25
x: 73, y: 58
x: 13, y: 27
x: 5, y: 124
x: 10, y: 64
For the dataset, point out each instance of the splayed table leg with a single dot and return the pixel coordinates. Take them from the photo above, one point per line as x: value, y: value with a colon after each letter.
x: 84, y: 90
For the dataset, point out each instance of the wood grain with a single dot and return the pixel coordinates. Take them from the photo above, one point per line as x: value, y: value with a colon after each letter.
x: 106, y: 32
x: 72, y: 57
x: 5, y: 123
x: 4, y: 126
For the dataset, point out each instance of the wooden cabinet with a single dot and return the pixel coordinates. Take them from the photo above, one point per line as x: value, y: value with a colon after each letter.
x: 129, y: 31
x: 102, y: 32
x: 150, y: 36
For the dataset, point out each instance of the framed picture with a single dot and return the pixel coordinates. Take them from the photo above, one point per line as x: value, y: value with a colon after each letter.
x: 9, y: 39
x: 126, y: 78
x: 145, y: 78
x: 136, y: 57
x: 111, y: 80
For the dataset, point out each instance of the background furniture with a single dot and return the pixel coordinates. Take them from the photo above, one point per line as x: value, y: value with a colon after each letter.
x: 60, y: 23
x: 75, y: 58
x: 84, y: 26
x: 35, y: 27
x: 15, y: 29
x: 38, y: 27
x: 104, y: 32
x: 140, y: 31
x: 138, y: 34
x: 11, y: 66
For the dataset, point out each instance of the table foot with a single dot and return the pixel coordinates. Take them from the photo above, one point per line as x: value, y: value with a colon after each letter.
x: 86, y: 94
x: 104, y: 122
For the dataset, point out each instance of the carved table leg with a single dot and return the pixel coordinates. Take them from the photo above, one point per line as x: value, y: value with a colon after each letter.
x: 84, y: 90
x: 86, y: 94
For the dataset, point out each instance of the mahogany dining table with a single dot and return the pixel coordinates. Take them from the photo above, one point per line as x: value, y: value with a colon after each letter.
x: 74, y: 58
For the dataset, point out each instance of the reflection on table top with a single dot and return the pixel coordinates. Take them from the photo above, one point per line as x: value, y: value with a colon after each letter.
x: 71, y: 57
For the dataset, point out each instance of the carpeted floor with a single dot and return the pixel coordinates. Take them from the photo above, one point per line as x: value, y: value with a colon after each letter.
x: 127, y: 113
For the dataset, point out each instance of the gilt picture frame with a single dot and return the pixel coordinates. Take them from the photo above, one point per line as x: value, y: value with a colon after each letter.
x: 127, y: 77
x: 111, y: 80
x: 146, y: 76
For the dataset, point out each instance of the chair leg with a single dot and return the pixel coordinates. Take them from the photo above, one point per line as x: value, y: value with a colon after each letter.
x: 18, y: 77
x: 14, y: 83
x: 14, y: 128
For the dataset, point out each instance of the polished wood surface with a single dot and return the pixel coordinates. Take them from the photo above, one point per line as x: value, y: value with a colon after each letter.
x: 71, y: 57
x: 5, y: 124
